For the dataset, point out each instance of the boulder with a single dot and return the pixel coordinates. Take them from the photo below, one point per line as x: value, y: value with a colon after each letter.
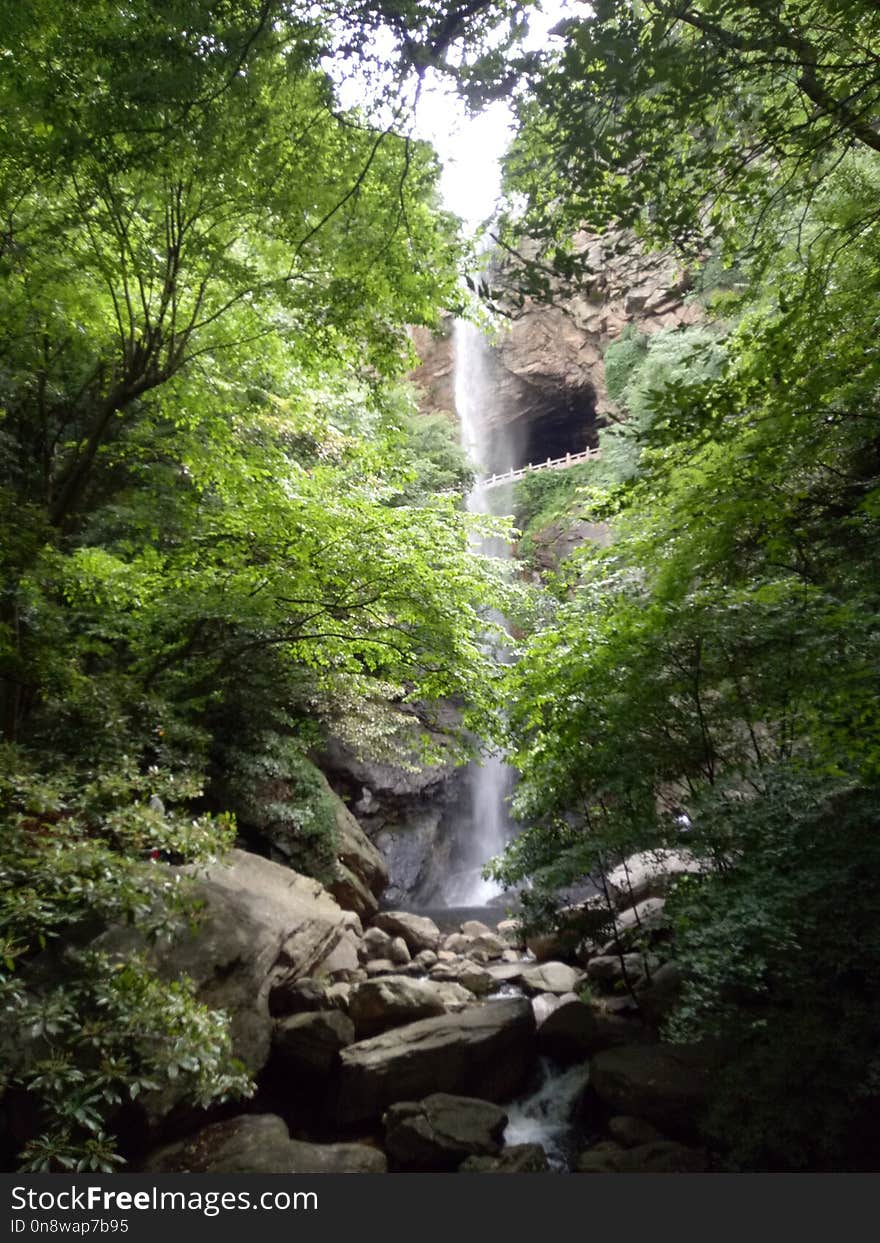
x: 486, y: 1049
x: 651, y: 875
x: 505, y: 972
x: 662, y: 1156
x: 517, y: 1159
x: 544, y: 1005
x: 474, y: 928
x: 374, y: 944
x: 458, y: 943
x: 419, y: 932
x: 260, y: 923
x: 306, y: 1044
x: 589, y: 920
x: 439, y: 1132
x: 290, y: 995
x: 573, y: 1032
x: 260, y: 1144
x: 659, y: 995
x: 425, y: 959
x: 511, y: 930
x: 645, y: 922
x: 665, y: 1084
x: 342, y: 962
x: 607, y: 969
x: 398, y: 951
x: 631, y: 1132
x: 390, y: 1001
x: 466, y: 973
x: 352, y: 893
x: 551, y: 977
x: 487, y: 946
x: 355, y: 851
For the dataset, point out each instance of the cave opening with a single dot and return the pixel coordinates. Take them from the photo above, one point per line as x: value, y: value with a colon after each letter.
x: 567, y: 424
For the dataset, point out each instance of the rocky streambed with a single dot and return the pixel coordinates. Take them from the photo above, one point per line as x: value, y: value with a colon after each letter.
x: 397, y: 1046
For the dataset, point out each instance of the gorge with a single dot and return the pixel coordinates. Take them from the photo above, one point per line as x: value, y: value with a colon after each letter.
x: 284, y: 287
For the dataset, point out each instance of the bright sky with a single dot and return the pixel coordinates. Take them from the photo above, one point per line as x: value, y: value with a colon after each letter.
x: 470, y: 148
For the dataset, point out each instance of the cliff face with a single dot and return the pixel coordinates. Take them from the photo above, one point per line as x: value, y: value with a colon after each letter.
x: 547, y: 362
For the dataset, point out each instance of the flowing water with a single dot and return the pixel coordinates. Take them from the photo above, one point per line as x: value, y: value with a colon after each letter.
x: 547, y: 1115
x: 490, y: 782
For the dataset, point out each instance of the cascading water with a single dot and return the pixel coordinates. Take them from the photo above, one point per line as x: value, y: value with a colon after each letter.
x: 490, y: 782
x: 546, y: 1116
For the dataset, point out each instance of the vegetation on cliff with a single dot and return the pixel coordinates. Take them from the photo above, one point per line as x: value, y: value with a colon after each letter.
x: 710, y: 679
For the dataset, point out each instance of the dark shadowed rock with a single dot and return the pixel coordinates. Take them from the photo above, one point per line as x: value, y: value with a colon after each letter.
x: 486, y: 1049
x: 438, y: 1132
x: 260, y: 1144
x: 662, y: 1156
x: 574, y: 1032
x: 310, y: 1043
x: 517, y: 1159
x: 666, y: 1084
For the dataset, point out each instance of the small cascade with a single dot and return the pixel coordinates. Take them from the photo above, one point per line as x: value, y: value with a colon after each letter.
x: 547, y: 1116
x: 490, y: 782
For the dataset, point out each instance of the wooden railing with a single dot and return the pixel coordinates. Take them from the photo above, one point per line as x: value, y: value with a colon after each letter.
x: 557, y: 463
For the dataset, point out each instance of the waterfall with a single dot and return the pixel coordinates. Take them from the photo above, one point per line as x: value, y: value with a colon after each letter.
x: 489, y: 449
x: 546, y: 1116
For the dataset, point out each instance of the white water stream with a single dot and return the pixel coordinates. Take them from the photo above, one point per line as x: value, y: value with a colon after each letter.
x: 546, y: 1116
x: 491, y: 781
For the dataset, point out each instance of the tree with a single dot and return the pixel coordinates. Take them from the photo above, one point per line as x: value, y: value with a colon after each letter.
x: 212, y: 531
x: 692, y: 120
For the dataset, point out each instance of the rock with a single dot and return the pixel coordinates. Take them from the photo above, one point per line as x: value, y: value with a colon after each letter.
x: 260, y: 1144
x: 338, y: 995
x: 511, y: 930
x: 458, y: 943
x: 469, y: 974
x: 419, y: 932
x: 573, y: 1032
x: 290, y: 995
x: 517, y: 1159
x: 375, y: 944
x: 343, y: 960
x: 388, y: 1002
x: 474, y: 928
x: 658, y: 996
x: 607, y: 969
x: 352, y: 893
x: 486, y: 1049
x: 551, y: 977
x: 439, y: 1132
x: 488, y: 946
x: 651, y: 875
x: 510, y: 956
x: 398, y: 951
x: 446, y: 956
x: 544, y: 1005
x: 631, y: 1132
x: 383, y: 966
x: 659, y: 1157
x: 355, y: 850
x: 505, y: 972
x: 425, y: 959
x: 588, y: 919
x: 310, y: 1043
x: 665, y: 1084
x: 260, y: 923
x: 640, y: 923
